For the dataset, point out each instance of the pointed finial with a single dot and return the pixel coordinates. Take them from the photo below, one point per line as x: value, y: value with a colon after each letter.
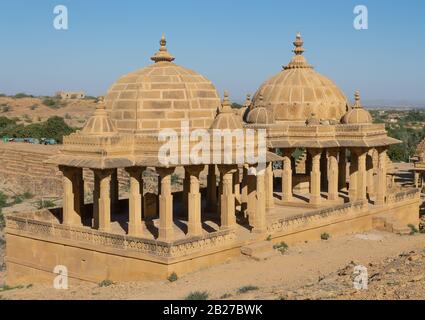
x: 298, y: 61
x: 298, y: 43
x: 100, y: 103
x: 261, y: 100
x: 226, y: 104
x: 357, y: 103
x: 248, y: 100
x: 162, y: 54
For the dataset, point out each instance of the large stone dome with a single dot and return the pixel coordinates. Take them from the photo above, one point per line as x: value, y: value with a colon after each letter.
x: 161, y: 96
x: 298, y: 91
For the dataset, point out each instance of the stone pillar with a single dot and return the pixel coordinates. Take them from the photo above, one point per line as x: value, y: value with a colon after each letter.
x: 166, y: 225
x: 381, y: 192
x: 102, y: 200
x: 269, y: 186
x: 259, y: 219
x: 354, y: 167
x: 251, y: 196
x: 315, y: 196
x: 342, y: 169
x: 308, y: 163
x: 135, y: 201
x: 244, y: 190
x: 211, y: 188
x: 287, y: 194
x: 115, y: 188
x: 227, y: 197
x: 416, y: 179
x: 186, y: 190
x: 362, y: 176
x: 237, y: 186
x: 370, y: 176
x: 73, y: 195
x: 324, y: 171
x: 333, y: 175
x: 194, y: 224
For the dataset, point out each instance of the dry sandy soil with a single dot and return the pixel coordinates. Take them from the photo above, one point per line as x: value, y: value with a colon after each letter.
x: 32, y: 110
x: 317, y: 270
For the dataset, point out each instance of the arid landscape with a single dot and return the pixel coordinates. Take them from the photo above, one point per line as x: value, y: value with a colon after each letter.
x: 317, y: 270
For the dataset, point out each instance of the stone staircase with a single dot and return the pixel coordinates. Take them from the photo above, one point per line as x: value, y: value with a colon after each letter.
x: 260, y: 251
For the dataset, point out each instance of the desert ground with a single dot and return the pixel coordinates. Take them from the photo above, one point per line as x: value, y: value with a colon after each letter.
x: 316, y: 270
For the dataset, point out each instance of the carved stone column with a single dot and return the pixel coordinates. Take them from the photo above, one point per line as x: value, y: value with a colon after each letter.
x: 211, y: 188
x: 73, y: 195
x: 194, y: 201
x: 244, y: 190
x: 333, y: 175
x: 102, y: 199
x: 115, y: 188
x: 166, y: 225
x: 381, y: 192
x: 269, y: 186
x: 287, y: 194
x: 362, y: 176
x: 252, y: 196
x: 259, y: 221
x: 315, y: 196
x: 227, y: 198
x: 135, y: 201
x: 237, y: 185
x: 342, y: 169
x: 370, y: 176
x: 354, y: 167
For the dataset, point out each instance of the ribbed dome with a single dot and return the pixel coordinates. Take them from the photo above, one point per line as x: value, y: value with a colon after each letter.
x: 298, y: 91
x: 99, y: 123
x: 161, y: 96
x: 226, y: 118
x: 260, y: 114
x: 357, y: 115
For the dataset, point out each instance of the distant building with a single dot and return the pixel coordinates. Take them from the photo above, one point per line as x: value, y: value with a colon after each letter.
x: 66, y: 95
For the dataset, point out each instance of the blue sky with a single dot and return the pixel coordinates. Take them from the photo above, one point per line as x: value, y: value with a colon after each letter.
x: 236, y: 44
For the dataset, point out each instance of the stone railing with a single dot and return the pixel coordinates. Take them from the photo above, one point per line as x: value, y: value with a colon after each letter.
x: 315, y: 216
x: 89, y: 236
x: 402, y: 196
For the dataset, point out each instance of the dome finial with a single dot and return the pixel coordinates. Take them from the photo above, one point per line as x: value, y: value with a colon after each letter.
x: 298, y: 43
x: 298, y: 61
x: 248, y: 100
x: 162, y: 54
x: 357, y: 103
x: 226, y: 105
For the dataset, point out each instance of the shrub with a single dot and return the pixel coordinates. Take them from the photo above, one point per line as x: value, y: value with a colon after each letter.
x: 325, y: 236
x: 33, y: 107
x: 5, y: 287
x: 42, y: 204
x: 175, y: 179
x: 247, y: 289
x: 5, y: 109
x: 413, y: 229
x: 226, y: 296
x: 173, y: 277
x: 27, y: 195
x: 281, y: 247
x: 106, y: 283
x: 2, y: 222
x: 269, y: 238
x: 3, y: 200
x: 197, y: 295
x: 21, y: 95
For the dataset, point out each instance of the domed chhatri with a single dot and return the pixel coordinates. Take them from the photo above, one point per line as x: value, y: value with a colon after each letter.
x: 161, y: 95
x: 100, y: 123
x: 298, y: 91
x: 226, y: 118
x: 260, y: 114
x: 243, y: 112
x: 357, y: 114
